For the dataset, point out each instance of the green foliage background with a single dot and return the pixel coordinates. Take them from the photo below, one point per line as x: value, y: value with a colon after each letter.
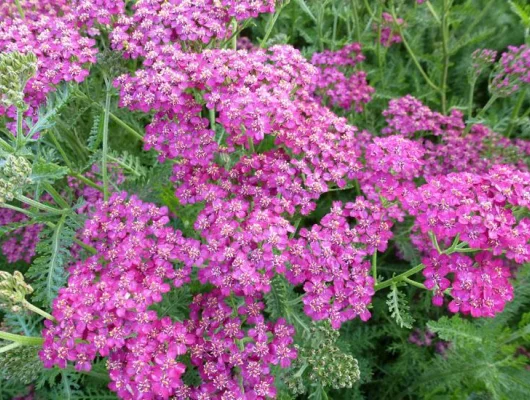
x: 485, y: 358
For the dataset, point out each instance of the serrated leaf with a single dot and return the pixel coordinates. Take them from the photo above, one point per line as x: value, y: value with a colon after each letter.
x: 522, y: 10
x: 130, y: 164
x: 399, y: 308
x: 5, y: 229
x: 456, y: 330
x: 47, y: 271
x: 305, y: 8
x: 47, y: 172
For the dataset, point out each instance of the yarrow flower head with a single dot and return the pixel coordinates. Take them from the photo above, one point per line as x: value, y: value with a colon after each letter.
x: 344, y: 89
x: 481, y: 60
x: 63, y: 52
x: 478, y: 211
x: 157, y: 24
x: 389, y: 32
x: 330, y: 261
x: 512, y: 71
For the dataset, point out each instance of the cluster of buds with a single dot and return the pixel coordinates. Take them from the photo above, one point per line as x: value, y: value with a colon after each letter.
x: 21, y: 365
x: 14, y: 174
x: 323, y: 362
x: 16, y: 69
x: 13, y: 290
x: 481, y: 59
x: 511, y: 72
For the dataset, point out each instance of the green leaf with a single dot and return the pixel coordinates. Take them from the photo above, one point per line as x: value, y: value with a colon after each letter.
x: 47, y: 271
x: 522, y: 10
x: 306, y: 9
x: 49, y: 112
x: 457, y: 330
x: 5, y: 229
x: 399, y: 308
x: 47, y: 172
x: 130, y: 164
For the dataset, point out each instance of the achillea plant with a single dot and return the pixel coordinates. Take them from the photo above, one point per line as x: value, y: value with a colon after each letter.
x: 259, y: 199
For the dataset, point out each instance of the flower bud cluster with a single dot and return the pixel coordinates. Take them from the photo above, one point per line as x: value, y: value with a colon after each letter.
x: 323, y: 362
x: 13, y: 290
x: 16, y: 69
x: 15, y: 173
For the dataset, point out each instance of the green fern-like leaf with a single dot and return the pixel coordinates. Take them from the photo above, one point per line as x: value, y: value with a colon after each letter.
x: 458, y: 331
x: 96, y: 135
x: 130, y: 164
x: 49, y: 112
x: 43, y: 172
x: 522, y: 9
x: 399, y: 308
x: 47, y: 271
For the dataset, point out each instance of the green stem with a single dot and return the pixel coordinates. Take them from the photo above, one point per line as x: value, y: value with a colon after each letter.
x: 270, y: 25
x: 85, y: 246
x: 116, y: 119
x: 433, y: 11
x: 56, y: 196
x: 7, y: 146
x: 86, y: 181
x: 414, y: 283
x: 20, y: 130
x: 369, y: 9
x: 9, y: 347
x: 515, y: 113
x: 104, y: 157
x: 234, y: 36
x: 211, y: 114
x: 374, y: 267
x: 477, y: 19
x: 490, y: 102
x: 399, y: 278
x: 37, y: 310
x: 23, y: 340
x: 445, y: 51
x: 356, y: 20
x: 471, y: 95
x: 38, y: 205
x: 18, y: 209
x: 296, y: 224
x: 20, y: 9
x: 411, y: 53
x: 60, y: 148
x: 126, y: 127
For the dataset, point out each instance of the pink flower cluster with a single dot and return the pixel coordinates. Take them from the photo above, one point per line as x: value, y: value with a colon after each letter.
x: 407, y: 115
x: 157, y: 24
x: 104, y: 311
x: 343, y: 89
x: 108, y: 296
x: 330, y: 261
x: 62, y: 51
x: 91, y: 12
x: 19, y: 244
x: 389, y: 33
x: 235, y: 349
x: 513, y: 70
x: 481, y: 59
x: 480, y: 284
x: 476, y: 210
x: 454, y: 150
